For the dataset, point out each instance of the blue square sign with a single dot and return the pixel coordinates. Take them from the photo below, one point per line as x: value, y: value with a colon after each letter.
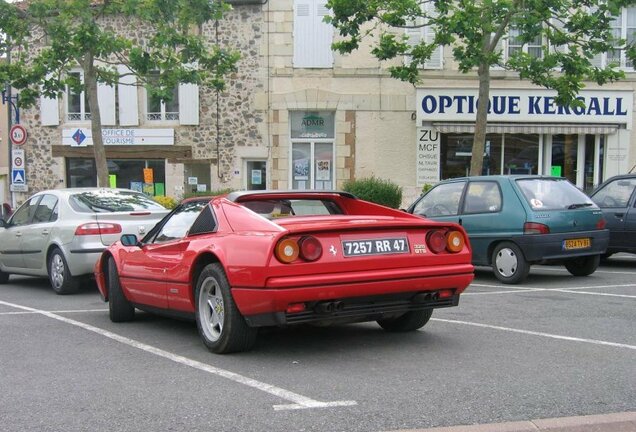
x: 18, y: 177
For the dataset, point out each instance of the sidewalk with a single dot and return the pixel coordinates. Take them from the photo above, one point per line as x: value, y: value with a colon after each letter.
x: 616, y: 422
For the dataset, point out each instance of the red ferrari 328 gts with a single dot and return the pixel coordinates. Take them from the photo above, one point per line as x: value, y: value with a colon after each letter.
x: 270, y: 258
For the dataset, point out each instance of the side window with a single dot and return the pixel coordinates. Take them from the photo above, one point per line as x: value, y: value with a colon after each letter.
x: 23, y: 215
x: 204, y: 223
x: 482, y: 197
x: 177, y: 226
x: 46, y: 210
x: 615, y: 194
x: 442, y: 200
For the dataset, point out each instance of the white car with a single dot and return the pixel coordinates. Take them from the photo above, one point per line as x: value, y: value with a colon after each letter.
x: 61, y: 233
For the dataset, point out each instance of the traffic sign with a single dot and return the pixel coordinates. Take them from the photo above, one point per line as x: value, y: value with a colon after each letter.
x: 18, y: 177
x: 18, y: 134
x: 17, y: 158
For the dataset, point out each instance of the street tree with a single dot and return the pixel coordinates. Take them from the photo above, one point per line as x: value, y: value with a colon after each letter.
x: 158, y: 41
x: 572, y: 36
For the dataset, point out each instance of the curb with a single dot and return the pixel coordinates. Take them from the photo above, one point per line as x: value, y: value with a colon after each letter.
x: 615, y: 422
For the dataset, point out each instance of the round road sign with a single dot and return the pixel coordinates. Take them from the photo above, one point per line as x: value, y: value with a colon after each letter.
x: 18, y: 134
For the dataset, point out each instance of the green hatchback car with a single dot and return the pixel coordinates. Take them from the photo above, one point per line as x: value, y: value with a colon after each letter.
x: 516, y: 221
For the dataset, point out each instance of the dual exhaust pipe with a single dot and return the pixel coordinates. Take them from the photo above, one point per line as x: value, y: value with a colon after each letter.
x: 329, y: 307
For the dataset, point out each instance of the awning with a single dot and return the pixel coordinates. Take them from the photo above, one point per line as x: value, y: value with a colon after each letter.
x: 528, y: 128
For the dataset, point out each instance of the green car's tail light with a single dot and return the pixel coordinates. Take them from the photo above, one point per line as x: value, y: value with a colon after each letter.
x: 601, y: 224
x: 535, y: 228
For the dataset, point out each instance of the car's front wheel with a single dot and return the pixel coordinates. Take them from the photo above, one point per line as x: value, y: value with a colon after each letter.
x: 119, y: 308
x: 509, y: 264
x: 583, y: 266
x: 60, y: 276
x: 410, y: 321
x: 221, y: 325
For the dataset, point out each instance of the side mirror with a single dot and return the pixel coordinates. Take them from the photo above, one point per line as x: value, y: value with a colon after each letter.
x: 129, y: 240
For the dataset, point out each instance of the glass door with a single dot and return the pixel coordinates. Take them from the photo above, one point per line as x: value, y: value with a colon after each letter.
x: 312, y: 165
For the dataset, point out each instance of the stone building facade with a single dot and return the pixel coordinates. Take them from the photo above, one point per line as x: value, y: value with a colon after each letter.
x: 298, y: 116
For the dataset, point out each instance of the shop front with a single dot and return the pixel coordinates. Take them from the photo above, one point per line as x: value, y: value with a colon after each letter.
x: 527, y: 133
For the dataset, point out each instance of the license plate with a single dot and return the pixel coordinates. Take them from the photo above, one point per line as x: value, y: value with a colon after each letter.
x: 582, y: 243
x: 380, y: 246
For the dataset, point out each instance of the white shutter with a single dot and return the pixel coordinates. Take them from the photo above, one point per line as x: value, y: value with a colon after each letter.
x: 128, y: 100
x: 49, y: 111
x: 188, y: 104
x: 414, y: 37
x: 106, y: 101
x: 312, y: 36
x: 435, y: 61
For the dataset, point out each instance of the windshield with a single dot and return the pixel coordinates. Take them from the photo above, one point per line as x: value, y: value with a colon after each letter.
x: 553, y: 194
x: 109, y: 200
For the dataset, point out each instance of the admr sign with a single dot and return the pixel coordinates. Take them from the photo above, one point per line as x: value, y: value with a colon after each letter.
x: 18, y: 135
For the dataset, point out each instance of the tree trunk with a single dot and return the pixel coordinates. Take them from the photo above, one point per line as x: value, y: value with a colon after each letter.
x: 90, y: 83
x: 479, y: 139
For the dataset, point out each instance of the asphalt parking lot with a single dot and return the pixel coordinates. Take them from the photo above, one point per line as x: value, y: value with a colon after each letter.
x: 556, y: 346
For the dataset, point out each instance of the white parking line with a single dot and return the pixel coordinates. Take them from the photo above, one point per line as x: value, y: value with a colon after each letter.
x: 533, y: 333
x: 597, y: 271
x: 593, y: 293
x: 57, y: 311
x: 298, y: 401
x: 572, y: 290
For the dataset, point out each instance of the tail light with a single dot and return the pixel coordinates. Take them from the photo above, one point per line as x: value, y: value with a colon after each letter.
x: 535, y: 228
x: 310, y: 248
x: 95, y: 228
x: 436, y: 241
x: 454, y: 241
x: 287, y: 251
x: 601, y: 223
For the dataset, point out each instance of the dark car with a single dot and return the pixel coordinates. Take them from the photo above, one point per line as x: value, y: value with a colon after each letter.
x: 516, y: 221
x: 617, y: 199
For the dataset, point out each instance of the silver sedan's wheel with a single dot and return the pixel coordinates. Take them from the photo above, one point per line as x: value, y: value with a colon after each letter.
x: 221, y: 325
x: 509, y: 264
x: 212, y: 308
x: 60, y: 276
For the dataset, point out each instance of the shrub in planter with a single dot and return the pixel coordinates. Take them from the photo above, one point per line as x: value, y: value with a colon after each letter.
x: 166, y: 201
x: 376, y: 190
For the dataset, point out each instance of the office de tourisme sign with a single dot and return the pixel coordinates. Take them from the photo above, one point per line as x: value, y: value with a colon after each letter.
x: 525, y: 105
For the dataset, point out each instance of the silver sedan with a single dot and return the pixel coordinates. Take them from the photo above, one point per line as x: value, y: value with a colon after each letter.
x: 60, y: 233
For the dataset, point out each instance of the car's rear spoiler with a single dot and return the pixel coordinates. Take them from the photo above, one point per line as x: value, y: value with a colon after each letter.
x: 236, y: 196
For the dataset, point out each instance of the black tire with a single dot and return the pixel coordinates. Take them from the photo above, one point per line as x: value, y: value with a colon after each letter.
x: 583, y: 266
x: 410, y: 321
x: 222, y: 328
x: 119, y: 308
x: 4, y: 277
x: 62, y: 281
x: 509, y: 263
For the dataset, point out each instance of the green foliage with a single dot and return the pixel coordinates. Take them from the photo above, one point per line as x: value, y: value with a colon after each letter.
x: 376, y: 190
x: 426, y: 187
x: 166, y: 201
x: 573, y: 34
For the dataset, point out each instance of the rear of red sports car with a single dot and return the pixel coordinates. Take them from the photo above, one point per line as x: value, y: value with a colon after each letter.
x: 281, y: 258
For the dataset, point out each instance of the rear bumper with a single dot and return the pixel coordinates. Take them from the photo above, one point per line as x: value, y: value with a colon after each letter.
x: 267, y: 306
x: 538, y: 247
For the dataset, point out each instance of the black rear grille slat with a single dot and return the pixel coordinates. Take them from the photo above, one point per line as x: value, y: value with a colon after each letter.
x: 353, y: 308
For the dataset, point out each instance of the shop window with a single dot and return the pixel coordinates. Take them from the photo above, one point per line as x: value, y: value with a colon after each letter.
x: 312, y: 36
x: 457, y: 151
x: 565, y: 156
x: 147, y: 176
x: 256, y: 174
x: 521, y: 154
x: 197, y: 178
x: 77, y: 108
x: 162, y: 110
x: 312, y: 161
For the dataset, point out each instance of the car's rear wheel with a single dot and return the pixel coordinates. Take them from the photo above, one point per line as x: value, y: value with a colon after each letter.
x: 119, y: 308
x: 583, y: 266
x: 509, y: 264
x: 4, y: 277
x: 410, y: 321
x: 221, y: 325
x: 60, y: 275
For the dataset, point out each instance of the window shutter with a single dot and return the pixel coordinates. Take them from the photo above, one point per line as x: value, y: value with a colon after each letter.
x: 435, y: 61
x: 128, y: 100
x: 312, y: 36
x: 188, y: 104
x: 414, y: 37
x: 49, y: 111
x: 106, y: 101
